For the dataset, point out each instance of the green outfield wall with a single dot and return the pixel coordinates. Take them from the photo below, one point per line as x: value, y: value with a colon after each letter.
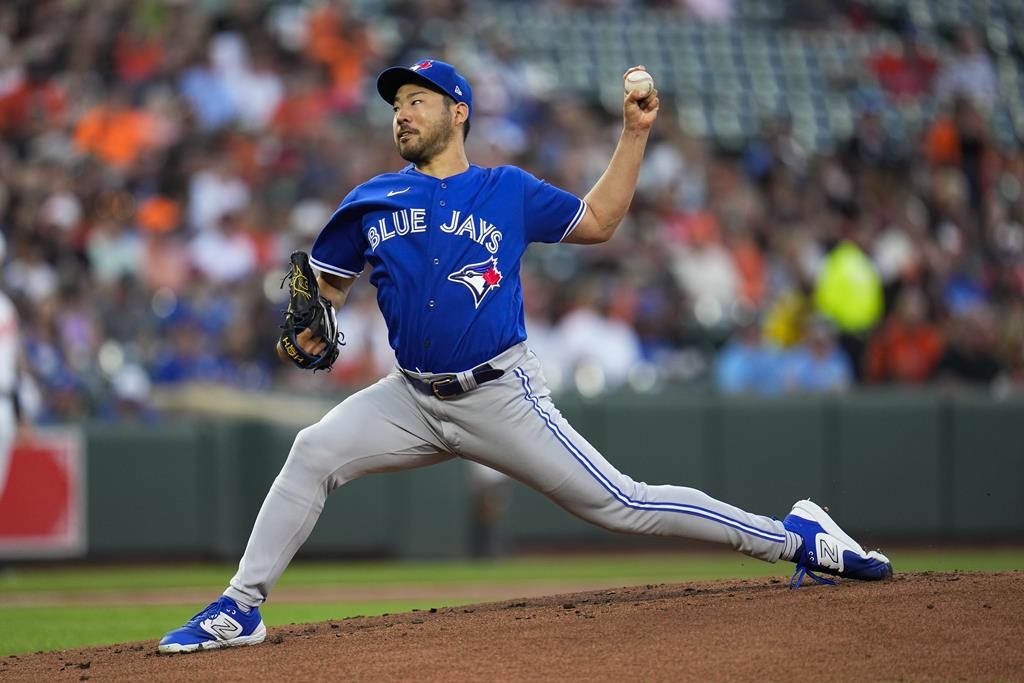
x: 891, y: 465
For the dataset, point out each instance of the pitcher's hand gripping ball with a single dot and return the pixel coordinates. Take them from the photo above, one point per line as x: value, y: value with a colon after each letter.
x: 308, y: 310
x: 640, y: 81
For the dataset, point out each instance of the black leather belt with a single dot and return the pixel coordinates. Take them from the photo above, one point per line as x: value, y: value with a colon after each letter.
x: 450, y: 387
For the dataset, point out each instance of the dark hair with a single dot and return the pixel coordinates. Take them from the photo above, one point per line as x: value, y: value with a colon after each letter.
x: 450, y: 102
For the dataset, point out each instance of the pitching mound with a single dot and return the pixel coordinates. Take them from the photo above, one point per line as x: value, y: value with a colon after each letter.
x: 929, y: 626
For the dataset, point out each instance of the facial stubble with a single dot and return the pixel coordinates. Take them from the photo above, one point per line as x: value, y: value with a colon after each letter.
x: 433, y: 140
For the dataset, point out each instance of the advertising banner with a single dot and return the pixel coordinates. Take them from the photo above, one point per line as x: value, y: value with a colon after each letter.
x: 42, y: 498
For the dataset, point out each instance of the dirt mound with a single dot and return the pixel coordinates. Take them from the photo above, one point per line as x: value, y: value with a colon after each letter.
x: 929, y: 626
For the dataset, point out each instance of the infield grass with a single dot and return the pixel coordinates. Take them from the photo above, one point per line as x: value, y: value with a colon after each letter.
x: 58, y: 607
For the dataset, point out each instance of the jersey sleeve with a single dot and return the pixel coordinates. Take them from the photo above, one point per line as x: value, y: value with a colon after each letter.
x: 340, y: 248
x: 549, y: 213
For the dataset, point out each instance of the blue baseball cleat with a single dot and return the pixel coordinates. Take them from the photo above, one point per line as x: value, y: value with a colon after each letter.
x: 829, y: 550
x: 221, y: 624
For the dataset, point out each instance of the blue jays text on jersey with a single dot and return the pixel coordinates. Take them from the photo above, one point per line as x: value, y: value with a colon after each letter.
x: 444, y: 254
x: 410, y: 221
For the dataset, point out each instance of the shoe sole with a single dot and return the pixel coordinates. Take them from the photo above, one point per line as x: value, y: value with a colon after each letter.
x: 257, y: 637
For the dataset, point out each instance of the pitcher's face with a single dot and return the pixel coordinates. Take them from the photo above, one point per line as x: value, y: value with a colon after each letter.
x: 423, y: 124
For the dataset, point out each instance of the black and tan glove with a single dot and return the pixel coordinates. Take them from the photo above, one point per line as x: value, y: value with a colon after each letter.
x: 308, y: 310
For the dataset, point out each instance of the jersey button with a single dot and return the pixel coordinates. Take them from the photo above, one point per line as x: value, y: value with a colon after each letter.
x: 426, y: 343
x: 444, y: 186
x: 442, y: 202
x: 431, y: 303
x: 437, y: 261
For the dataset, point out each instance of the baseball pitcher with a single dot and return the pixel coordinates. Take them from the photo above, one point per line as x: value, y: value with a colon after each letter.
x: 441, y: 240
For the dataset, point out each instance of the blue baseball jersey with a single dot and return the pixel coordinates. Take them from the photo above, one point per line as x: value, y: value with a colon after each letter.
x: 444, y: 257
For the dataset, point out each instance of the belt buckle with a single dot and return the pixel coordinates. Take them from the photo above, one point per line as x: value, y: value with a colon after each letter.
x: 434, y: 386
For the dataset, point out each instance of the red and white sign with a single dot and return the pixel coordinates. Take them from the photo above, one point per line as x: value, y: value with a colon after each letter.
x: 42, y: 505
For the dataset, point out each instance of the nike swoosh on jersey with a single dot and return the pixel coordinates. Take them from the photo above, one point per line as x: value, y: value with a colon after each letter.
x: 392, y: 193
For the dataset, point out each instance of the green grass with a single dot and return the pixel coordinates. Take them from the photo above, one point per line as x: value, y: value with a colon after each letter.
x: 28, y: 629
x: 535, y: 570
x: 947, y: 560
x: 32, y: 629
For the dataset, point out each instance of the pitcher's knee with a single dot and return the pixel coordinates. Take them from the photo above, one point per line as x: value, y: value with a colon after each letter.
x: 314, y: 453
x: 619, y: 519
x: 616, y: 511
x: 610, y: 515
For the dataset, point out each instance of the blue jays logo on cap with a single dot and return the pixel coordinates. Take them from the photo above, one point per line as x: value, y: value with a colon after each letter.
x: 479, y: 278
x: 435, y: 74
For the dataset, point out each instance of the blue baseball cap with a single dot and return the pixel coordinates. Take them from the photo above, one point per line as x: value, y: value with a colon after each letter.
x: 435, y: 74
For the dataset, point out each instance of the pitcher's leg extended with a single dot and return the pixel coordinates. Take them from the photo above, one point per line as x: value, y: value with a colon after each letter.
x: 536, y: 445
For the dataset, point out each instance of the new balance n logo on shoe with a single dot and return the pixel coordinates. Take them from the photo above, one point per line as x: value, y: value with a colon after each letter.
x: 222, y: 626
x: 829, y: 552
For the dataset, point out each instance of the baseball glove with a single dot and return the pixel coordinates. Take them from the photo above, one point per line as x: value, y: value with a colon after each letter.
x: 307, y: 309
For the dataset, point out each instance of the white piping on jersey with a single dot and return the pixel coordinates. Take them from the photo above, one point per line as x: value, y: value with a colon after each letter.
x: 335, y: 270
x: 580, y: 212
x: 623, y: 497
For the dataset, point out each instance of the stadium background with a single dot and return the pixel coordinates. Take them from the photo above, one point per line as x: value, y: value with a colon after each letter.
x: 818, y: 289
x: 161, y: 159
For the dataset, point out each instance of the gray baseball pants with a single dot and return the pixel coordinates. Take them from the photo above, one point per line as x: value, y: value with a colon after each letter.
x: 509, y: 424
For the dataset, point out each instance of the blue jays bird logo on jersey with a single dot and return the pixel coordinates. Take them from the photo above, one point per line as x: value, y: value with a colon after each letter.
x: 479, y: 278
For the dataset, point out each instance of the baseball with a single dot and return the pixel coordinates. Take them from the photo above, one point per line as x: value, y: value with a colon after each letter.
x: 641, y: 81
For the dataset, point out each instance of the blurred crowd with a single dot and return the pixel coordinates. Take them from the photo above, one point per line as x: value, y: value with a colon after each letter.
x: 159, y: 159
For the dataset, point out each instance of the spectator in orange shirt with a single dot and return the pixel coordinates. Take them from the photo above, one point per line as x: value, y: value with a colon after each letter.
x: 115, y: 132
x: 305, y: 106
x: 750, y: 266
x: 343, y: 44
x: 960, y: 138
x: 907, y: 347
